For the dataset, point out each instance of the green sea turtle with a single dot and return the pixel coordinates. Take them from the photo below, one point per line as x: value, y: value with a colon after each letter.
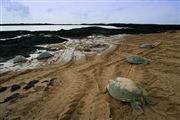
x: 147, y: 45
x: 126, y: 90
x: 135, y: 59
x: 19, y: 59
x: 44, y: 55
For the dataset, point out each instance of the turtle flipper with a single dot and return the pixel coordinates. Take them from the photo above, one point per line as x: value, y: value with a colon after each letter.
x: 150, y: 100
x: 105, y: 90
x: 137, y: 108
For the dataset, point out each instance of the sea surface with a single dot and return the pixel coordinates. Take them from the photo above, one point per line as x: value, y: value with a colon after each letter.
x: 47, y: 27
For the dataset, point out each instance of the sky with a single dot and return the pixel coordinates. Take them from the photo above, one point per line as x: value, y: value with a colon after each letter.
x: 90, y: 11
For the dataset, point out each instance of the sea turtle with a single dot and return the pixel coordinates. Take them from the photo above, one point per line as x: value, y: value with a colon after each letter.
x: 19, y: 59
x: 126, y: 90
x: 147, y: 45
x: 44, y: 55
x: 135, y: 59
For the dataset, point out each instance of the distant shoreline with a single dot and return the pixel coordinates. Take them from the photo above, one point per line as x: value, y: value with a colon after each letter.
x: 34, y: 24
x: 104, y: 24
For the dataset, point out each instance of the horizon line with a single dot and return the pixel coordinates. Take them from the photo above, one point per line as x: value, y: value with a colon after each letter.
x: 93, y: 23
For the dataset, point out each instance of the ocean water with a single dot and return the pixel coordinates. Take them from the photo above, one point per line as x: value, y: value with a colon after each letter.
x: 47, y: 27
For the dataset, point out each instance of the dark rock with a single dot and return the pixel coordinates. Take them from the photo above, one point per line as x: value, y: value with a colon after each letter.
x: 31, y: 84
x: 87, y: 50
x: 15, y: 87
x: 15, y: 96
x: 99, y: 46
x: 50, y: 83
x: 2, y: 89
x: 25, y: 45
x: 44, y: 81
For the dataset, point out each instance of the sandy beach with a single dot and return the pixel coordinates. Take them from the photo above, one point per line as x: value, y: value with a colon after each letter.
x: 77, y: 90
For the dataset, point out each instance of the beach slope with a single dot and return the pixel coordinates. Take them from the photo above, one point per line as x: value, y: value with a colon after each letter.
x: 76, y: 88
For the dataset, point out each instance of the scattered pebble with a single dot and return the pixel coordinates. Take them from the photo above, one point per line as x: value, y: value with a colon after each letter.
x: 87, y: 50
x: 15, y: 87
x: 31, y: 84
x: 2, y: 89
x: 50, y: 83
x: 99, y: 46
x: 44, y: 81
x: 15, y: 96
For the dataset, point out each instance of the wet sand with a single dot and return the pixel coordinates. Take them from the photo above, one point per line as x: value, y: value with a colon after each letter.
x: 77, y: 91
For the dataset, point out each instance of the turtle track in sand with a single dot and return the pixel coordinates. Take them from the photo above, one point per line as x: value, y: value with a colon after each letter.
x: 80, y: 94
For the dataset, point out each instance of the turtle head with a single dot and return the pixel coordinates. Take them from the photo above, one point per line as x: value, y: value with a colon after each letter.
x: 147, y: 61
x: 149, y: 100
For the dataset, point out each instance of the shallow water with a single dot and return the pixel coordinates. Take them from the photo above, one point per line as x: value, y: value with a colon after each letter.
x: 47, y: 27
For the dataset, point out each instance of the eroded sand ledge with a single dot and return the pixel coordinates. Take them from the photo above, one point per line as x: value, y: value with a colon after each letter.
x: 77, y: 92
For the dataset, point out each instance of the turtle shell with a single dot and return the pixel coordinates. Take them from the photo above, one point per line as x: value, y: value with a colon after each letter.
x: 19, y: 59
x: 147, y: 45
x: 124, y: 89
x: 134, y: 59
x: 44, y: 55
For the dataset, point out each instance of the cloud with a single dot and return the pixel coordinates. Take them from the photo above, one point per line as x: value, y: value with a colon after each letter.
x: 80, y: 15
x: 83, y: 15
x: 12, y: 6
x: 119, y: 9
x: 49, y: 10
x: 131, y: 11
